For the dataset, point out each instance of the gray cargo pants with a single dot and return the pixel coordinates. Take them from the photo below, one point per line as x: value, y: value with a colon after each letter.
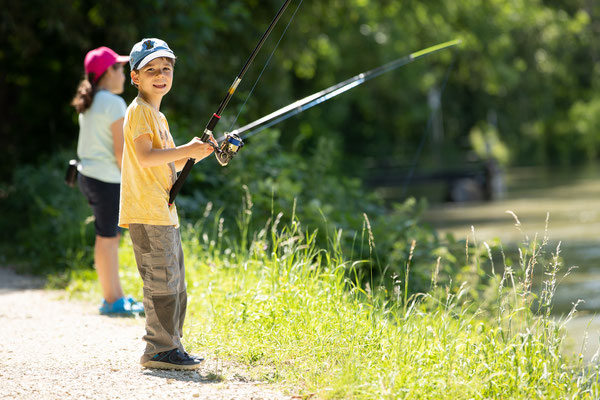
x: 159, y: 258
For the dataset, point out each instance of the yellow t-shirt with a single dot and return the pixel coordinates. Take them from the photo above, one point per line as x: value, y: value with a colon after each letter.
x: 145, y: 191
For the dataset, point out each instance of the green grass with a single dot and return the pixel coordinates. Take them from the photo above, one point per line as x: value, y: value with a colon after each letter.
x: 294, y: 313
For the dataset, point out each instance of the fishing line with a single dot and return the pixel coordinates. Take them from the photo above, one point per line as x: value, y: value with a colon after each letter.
x: 229, y: 148
x: 264, y: 68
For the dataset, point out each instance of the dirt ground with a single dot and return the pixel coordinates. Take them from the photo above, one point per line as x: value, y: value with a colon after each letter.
x: 53, y: 348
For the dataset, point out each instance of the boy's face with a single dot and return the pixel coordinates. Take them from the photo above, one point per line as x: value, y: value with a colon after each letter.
x: 155, y: 78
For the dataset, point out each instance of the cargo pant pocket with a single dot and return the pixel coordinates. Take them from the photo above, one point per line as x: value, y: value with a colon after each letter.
x: 162, y: 275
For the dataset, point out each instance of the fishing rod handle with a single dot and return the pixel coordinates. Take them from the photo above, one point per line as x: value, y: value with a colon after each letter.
x: 206, y: 135
x: 179, y: 182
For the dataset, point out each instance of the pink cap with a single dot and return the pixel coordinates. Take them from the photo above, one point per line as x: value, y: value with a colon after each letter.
x: 98, y: 60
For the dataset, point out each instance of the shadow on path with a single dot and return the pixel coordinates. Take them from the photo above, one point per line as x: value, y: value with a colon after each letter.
x: 10, y: 280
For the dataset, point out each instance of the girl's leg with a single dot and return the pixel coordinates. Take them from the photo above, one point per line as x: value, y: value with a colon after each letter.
x: 106, y: 257
x: 104, y: 199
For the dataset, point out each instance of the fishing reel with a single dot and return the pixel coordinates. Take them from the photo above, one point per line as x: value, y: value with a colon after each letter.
x: 230, y: 146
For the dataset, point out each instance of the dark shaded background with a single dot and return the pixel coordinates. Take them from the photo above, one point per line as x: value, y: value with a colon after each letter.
x: 526, y: 74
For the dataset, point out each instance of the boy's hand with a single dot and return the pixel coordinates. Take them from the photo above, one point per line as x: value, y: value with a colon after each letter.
x: 198, y: 149
x: 211, y: 139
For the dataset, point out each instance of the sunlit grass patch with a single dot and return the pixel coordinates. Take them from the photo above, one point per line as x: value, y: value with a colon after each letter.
x: 290, y: 306
x: 297, y: 314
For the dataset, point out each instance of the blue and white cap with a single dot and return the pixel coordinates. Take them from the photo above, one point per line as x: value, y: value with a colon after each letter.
x: 147, y: 50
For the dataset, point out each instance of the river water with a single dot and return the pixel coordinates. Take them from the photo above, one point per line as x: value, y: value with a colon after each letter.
x: 571, y: 201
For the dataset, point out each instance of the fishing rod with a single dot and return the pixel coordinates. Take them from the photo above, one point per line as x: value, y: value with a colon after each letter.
x: 332, y: 91
x: 232, y: 144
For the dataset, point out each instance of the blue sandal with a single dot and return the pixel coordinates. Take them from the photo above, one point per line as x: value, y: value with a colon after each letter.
x: 125, y: 306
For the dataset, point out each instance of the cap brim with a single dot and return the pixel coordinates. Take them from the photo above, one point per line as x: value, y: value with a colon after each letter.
x: 122, y: 59
x: 156, y: 54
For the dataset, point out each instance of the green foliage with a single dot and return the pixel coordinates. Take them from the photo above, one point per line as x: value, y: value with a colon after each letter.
x: 520, y: 80
x: 48, y: 226
x: 580, y: 131
x: 333, y: 202
x: 486, y: 143
x: 45, y: 225
x: 278, y: 179
x: 526, y: 63
x: 289, y: 309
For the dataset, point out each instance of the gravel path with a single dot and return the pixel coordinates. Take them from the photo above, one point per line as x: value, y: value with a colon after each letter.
x: 52, y: 348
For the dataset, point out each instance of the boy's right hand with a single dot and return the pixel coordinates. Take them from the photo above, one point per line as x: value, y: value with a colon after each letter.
x: 198, y: 149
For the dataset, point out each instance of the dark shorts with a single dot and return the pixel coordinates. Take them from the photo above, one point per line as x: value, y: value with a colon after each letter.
x: 104, y: 199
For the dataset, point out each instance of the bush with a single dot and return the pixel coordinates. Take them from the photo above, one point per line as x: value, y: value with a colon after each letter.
x: 265, y: 180
x: 46, y: 225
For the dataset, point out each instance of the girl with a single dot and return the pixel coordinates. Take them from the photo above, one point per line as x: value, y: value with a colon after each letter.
x: 100, y: 149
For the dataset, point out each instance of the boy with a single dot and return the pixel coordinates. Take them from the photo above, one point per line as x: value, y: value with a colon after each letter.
x: 150, y: 162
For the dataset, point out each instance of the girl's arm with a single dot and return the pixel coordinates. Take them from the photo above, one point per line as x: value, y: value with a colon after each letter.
x: 117, y: 133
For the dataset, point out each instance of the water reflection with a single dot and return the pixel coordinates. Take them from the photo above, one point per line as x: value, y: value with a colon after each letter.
x: 572, y: 200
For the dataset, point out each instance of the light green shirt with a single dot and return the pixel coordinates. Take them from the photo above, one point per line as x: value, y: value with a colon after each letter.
x: 95, y: 146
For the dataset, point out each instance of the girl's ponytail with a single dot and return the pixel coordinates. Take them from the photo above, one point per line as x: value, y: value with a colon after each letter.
x: 85, y: 94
